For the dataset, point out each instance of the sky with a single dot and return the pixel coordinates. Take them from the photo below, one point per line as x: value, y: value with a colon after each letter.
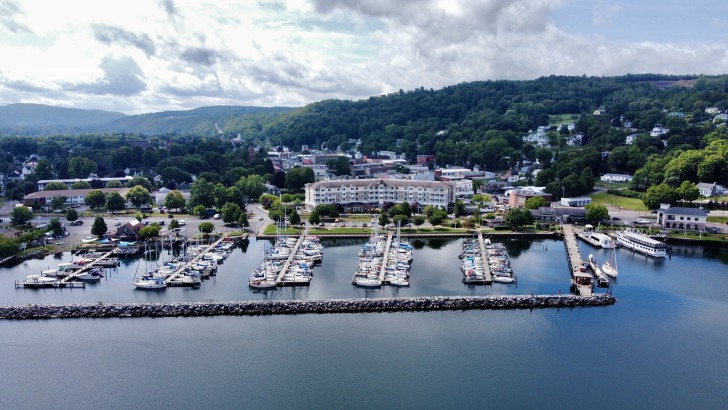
x: 141, y: 56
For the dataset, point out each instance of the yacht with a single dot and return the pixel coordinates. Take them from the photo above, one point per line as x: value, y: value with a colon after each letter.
x: 90, y: 275
x: 150, y: 282
x: 40, y: 281
x: 641, y: 243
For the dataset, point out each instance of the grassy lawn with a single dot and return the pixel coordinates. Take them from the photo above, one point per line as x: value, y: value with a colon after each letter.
x: 718, y: 238
x: 613, y: 200
x: 563, y: 119
x: 719, y: 219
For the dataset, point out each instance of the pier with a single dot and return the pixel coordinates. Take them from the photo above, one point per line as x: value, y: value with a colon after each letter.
x: 385, y: 258
x: 97, y: 261
x: 488, y: 277
x: 588, y: 239
x: 175, y: 279
x: 581, y: 281
x: 280, y: 279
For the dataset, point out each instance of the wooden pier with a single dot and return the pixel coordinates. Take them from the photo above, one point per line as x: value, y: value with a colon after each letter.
x: 280, y: 281
x: 587, y: 238
x: 174, y: 278
x: 72, y: 275
x: 581, y: 281
x: 485, y: 260
x: 385, y: 258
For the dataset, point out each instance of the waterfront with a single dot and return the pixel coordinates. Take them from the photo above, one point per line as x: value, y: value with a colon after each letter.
x: 659, y: 346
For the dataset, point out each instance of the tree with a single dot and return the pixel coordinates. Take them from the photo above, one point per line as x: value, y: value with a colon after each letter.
x: 58, y: 201
x: 21, y: 215
x: 174, y: 224
x: 314, y: 218
x: 174, y: 200
x: 383, y: 219
x: 44, y: 170
x: 113, y: 184
x: 138, y: 195
x: 659, y: 194
x: 141, y: 181
x: 687, y: 191
x: 243, y: 220
x: 55, y: 226
x: 231, y: 212
x: 149, y: 231
x: 418, y: 220
x: 55, y: 186
x: 535, y: 202
x: 298, y: 177
x: 401, y: 219
x: 71, y: 215
x: 517, y: 218
x: 596, y: 213
x: 459, y: 208
x: 202, y: 193
x: 339, y: 165
x: 206, y: 227
x: 80, y: 167
x: 99, y: 226
x: 95, y: 199
x: 295, y: 218
x: 436, y: 216
x: 115, y: 202
x: 81, y: 185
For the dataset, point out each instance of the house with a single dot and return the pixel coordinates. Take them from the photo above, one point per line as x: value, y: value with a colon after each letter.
x: 518, y: 197
x: 629, y: 140
x: 580, y: 201
x: 616, y: 178
x: 425, y: 159
x: 682, y: 218
x: 658, y: 131
x: 707, y: 190
x: 130, y: 230
x: 712, y: 110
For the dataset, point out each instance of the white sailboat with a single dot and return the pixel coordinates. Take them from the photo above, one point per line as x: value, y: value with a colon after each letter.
x: 610, y: 266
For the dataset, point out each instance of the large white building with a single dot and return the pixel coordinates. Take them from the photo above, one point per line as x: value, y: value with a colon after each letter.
x: 361, y: 195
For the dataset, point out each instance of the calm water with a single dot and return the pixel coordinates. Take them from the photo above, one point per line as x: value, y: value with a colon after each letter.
x: 661, y: 345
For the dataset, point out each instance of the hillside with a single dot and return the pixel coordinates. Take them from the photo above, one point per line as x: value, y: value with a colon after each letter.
x: 40, y: 118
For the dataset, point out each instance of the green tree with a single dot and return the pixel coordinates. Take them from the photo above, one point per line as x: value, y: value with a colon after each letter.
x: 95, y: 199
x: 80, y: 167
x: 55, y: 226
x: 535, y: 202
x: 141, y: 181
x: 81, y: 185
x: 596, y: 213
x: 174, y: 200
x: 659, y: 194
x: 383, y: 219
x: 113, y: 184
x: 687, y: 191
x: 115, y: 202
x: 44, y: 170
x: 58, y: 201
x: 231, y: 212
x: 459, y: 208
x: 517, y: 218
x: 252, y: 186
x: 339, y: 165
x: 402, y: 219
x: 206, y: 227
x: 21, y: 215
x: 314, y: 218
x: 418, y: 220
x: 202, y: 193
x: 149, y: 231
x: 294, y: 218
x: 138, y: 196
x: 71, y: 215
x: 174, y: 224
x: 200, y: 211
x: 55, y: 186
x: 99, y: 226
x: 298, y: 177
x: 243, y: 220
x: 437, y: 216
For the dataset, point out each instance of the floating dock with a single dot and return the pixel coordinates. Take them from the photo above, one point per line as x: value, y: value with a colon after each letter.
x: 280, y: 280
x: 91, y: 265
x: 175, y: 278
x: 385, y: 258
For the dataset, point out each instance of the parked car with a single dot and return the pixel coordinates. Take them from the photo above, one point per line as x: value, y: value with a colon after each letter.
x: 615, y: 218
x: 170, y: 216
x: 642, y: 221
x: 182, y: 222
x: 117, y: 223
x: 161, y: 223
x: 216, y: 216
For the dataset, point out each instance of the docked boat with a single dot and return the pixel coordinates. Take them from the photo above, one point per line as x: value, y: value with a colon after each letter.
x: 504, y: 279
x: 150, y: 282
x: 91, y: 275
x: 40, y: 281
x: 643, y: 244
x: 610, y: 267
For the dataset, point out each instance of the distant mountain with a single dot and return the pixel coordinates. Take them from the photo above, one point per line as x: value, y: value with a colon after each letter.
x: 33, y: 119
x: 200, y: 120
x: 39, y: 117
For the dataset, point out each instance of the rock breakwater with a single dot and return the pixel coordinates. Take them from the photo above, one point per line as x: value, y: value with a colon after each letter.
x: 293, y: 307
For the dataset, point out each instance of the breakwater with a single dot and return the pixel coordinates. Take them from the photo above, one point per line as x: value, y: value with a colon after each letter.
x: 293, y: 307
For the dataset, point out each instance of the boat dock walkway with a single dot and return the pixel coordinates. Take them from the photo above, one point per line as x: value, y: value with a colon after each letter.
x: 485, y: 259
x: 580, y: 280
x: 279, y: 280
x: 587, y: 238
x: 95, y: 263
x: 385, y: 258
x: 179, y: 272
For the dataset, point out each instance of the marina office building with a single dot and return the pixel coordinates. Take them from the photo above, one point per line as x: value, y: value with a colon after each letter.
x: 362, y: 195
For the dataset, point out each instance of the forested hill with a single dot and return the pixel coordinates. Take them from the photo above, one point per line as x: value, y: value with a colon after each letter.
x: 39, y: 118
x: 470, y: 111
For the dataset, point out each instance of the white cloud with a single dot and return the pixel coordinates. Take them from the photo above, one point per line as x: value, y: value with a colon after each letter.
x: 181, y: 55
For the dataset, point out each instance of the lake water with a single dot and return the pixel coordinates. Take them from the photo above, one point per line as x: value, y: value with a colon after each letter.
x: 661, y: 345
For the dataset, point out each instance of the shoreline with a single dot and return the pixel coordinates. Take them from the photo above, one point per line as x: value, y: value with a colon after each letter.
x: 295, y: 307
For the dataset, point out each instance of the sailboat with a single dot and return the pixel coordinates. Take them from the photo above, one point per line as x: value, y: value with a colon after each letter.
x: 610, y: 266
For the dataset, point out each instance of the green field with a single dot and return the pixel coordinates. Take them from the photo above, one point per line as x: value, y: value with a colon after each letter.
x: 719, y: 219
x: 563, y: 119
x: 614, y: 200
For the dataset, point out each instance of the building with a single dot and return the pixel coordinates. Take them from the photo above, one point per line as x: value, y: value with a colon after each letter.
x: 580, y: 201
x: 425, y: 159
x: 692, y: 219
x: 518, y: 197
x: 707, y: 190
x: 362, y: 195
x: 559, y: 215
x: 73, y: 196
x: 100, y: 182
x: 616, y: 178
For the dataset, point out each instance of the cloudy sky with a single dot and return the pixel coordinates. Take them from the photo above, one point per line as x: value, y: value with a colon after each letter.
x: 138, y: 56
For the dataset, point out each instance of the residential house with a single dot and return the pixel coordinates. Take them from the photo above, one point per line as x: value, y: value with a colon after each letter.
x: 616, y: 178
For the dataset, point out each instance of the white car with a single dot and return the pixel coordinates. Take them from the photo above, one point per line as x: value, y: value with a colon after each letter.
x: 182, y: 222
x: 642, y: 221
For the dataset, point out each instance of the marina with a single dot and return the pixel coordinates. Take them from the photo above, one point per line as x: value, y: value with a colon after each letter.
x: 581, y: 280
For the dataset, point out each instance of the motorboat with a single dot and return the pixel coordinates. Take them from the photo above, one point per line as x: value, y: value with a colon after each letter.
x: 504, y: 279
x: 40, y: 281
x: 90, y: 275
x: 150, y: 282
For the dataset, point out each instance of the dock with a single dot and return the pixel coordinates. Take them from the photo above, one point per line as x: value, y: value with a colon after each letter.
x: 485, y: 259
x: 385, y: 258
x: 93, y: 264
x: 581, y: 281
x: 588, y: 239
x: 280, y: 279
x: 176, y: 277
x: 56, y: 284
